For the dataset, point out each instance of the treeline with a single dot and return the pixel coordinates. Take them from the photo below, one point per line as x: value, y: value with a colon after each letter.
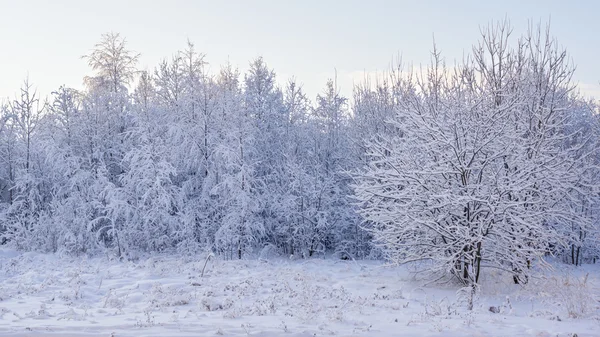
x: 187, y: 160
x: 493, y: 162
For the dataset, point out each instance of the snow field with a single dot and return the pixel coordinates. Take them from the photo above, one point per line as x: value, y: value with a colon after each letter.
x: 50, y: 295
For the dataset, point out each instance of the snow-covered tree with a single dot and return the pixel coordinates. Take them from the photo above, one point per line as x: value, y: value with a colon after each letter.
x: 478, y: 173
x: 115, y: 65
x: 237, y: 190
x: 8, y: 155
x: 151, y: 206
x: 28, y: 196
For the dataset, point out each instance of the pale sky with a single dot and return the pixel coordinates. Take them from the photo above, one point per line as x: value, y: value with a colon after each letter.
x: 306, y: 39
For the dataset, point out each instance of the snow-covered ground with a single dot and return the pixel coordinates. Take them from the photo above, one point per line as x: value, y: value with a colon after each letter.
x: 51, y: 295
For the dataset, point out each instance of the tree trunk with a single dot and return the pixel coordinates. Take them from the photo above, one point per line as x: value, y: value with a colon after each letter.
x: 478, y: 262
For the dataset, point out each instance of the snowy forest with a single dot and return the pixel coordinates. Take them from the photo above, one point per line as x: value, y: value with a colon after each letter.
x: 489, y: 162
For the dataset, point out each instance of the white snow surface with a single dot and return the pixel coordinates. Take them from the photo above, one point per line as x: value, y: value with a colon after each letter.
x: 53, y: 295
